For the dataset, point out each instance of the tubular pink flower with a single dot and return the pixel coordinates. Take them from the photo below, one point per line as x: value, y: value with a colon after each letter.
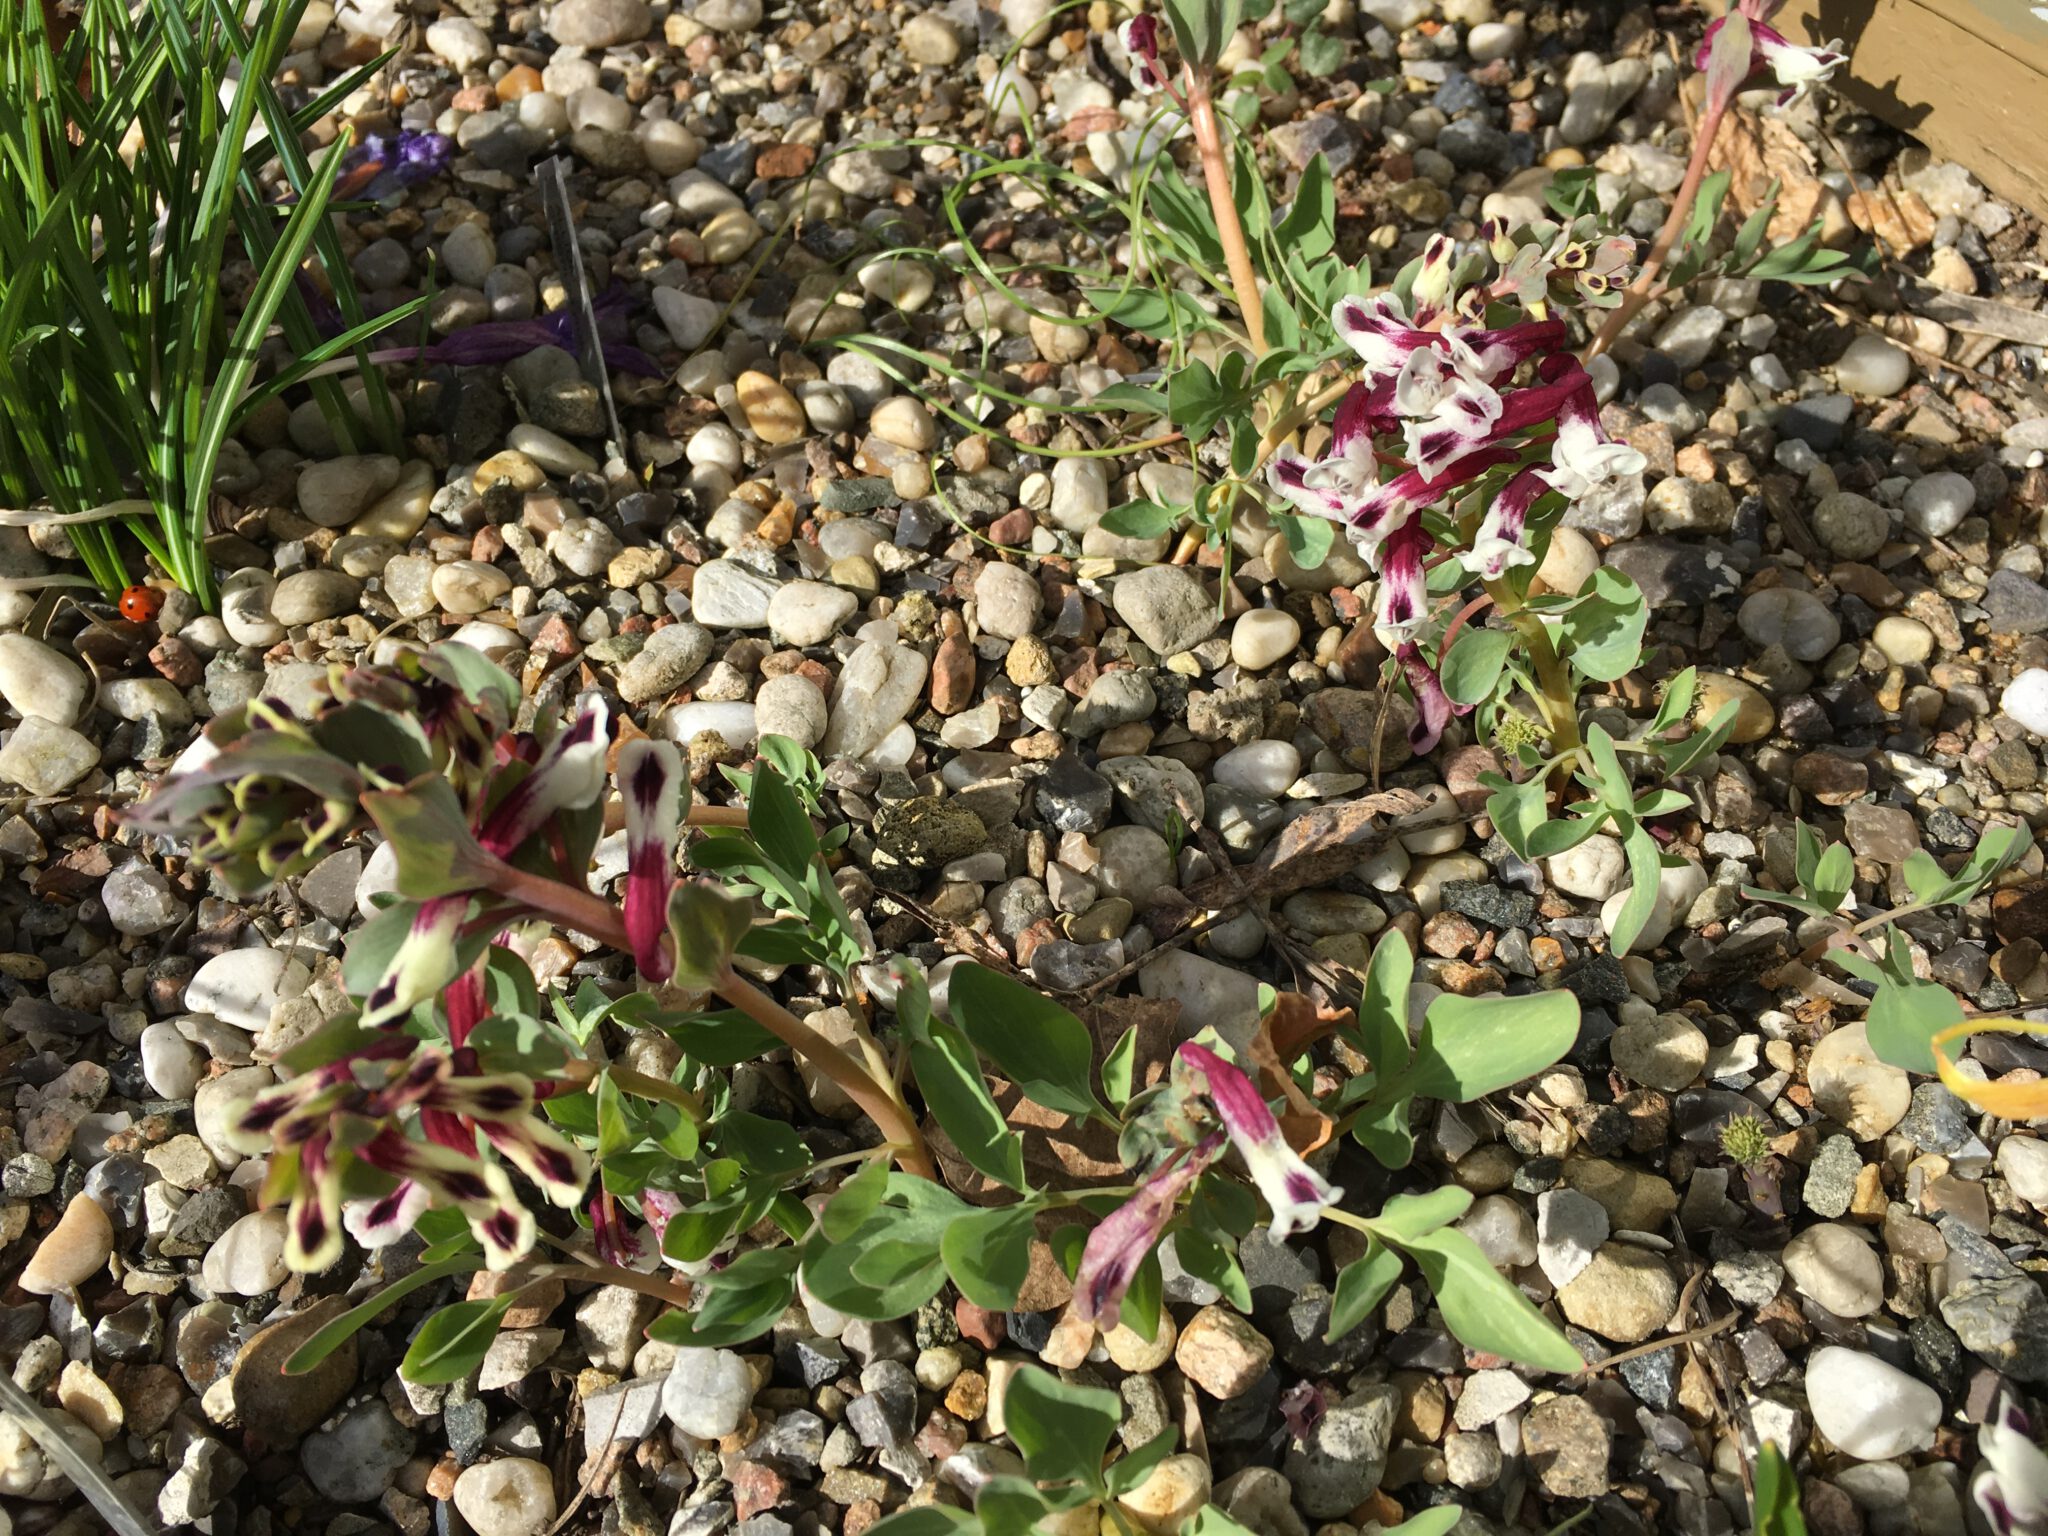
x: 1500, y: 542
x: 1140, y: 37
x: 2012, y: 1487
x: 480, y: 1190
x: 1448, y: 408
x: 383, y: 1221
x: 1585, y: 465
x: 424, y: 963
x: 651, y: 780
x: 1379, y: 331
x: 1727, y: 66
x: 1121, y: 1240
x: 1294, y: 1192
x: 1433, y: 707
x: 1429, y: 296
x: 568, y: 777
x: 1404, y: 587
x: 313, y: 1238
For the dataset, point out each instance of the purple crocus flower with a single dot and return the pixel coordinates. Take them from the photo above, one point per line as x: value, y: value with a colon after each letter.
x: 2012, y: 1486
x: 1121, y: 1240
x: 382, y: 166
x: 1295, y: 1192
x: 499, y: 341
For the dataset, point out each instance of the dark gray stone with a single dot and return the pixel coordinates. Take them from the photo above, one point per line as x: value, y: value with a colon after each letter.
x: 1485, y: 902
x: 2015, y: 604
x: 1817, y: 422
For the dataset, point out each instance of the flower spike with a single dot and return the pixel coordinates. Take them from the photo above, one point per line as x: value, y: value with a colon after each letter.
x: 1295, y: 1192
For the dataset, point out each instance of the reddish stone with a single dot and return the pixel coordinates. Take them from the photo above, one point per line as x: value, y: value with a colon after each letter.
x: 942, y: 1435
x: 475, y: 98
x: 784, y: 161
x: 979, y: 1325
x: 859, y: 1515
x: 1012, y: 529
x: 556, y: 638
x: 756, y: 1487
x: 176, y: 661
x: 952, y: 676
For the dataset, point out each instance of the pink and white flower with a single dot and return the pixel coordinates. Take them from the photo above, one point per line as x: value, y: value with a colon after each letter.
x: 1122, y: 1239
x: 1293, y: 1191
x: 652, y: 783
x: 1795, y: 68
x: 2012, y: 1486
x: 1140, y: 37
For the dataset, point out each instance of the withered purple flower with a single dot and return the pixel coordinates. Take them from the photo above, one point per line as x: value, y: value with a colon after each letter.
x: 1120, y: 1241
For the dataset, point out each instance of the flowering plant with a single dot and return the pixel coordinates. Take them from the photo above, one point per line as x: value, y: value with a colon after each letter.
x: 467, y: 1098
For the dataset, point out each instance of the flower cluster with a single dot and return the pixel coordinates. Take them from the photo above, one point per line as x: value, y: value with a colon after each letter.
x: 425, y: 750
x: 384, y: 165
x: 1446, y: 405
x: 1293, y: 1191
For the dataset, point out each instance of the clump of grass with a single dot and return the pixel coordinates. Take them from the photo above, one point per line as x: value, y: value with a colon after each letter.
x: 130, y: 147
x: 1746, y: 1140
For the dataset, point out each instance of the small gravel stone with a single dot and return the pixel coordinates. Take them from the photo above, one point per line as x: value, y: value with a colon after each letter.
x: 1569, y: 1443
x: 708, y: 1392
x: 1834, y: 1265
x: 1221, y: 1352
x: 1167, y: 607
x: 1873, y: 367
x: 1625, y: 1294
x: 1853, y: 527
x: 511, y: 1497
x: 1935, y: 504
x: 1667, y: 1052
x: 1871, y: 1410
x: 72, y: 1251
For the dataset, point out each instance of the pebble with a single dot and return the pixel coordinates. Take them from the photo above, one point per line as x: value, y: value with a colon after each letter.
x: 672, y: 656
x: 1871, y: 1410
x: 307, y: 597
x: 139, y: 900
x: 1667, y: 1052
x: 791, y: 706
x: 1907, y: 642
x: 46, y: 758
x: 243, y: 987
x: 2026, y: 699
x: 1263, y: 768
x: 1754, y: 716
x: 1336, y: 1466
x: 807, y: 613
x: 2023, y: 1163
x: 1832, y: 1264
x: 248, y: 1258
x: 469, y: 586
x: 171, y: 1064
x: 1167, y: 607
x: 1263, y: 637
x: 1935, y: 504
x: 1172, y: 1494
x: 72, y: 1251
x: 1593, y: 871
x: 728, y: 595
x: 689, y: 318
x: 514, y: 1496
x: 37, y: 679
x: 1220, y: 1351
x: 1873, y: 367
x: 1570, y: 1227
x: 1866, y: 1096
x: 1795, y: 619
x: 1853, y: 527
x: 335, y: 493
x: 773, y: 413
x: 1625, y: 1294
x: 708, y: 1392
x: 905, y: 422
x: 1007, y: 601
x: 1570, y: 1443
x: 355, y: 1460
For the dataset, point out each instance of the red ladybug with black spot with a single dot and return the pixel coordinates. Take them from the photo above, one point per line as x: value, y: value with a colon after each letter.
x: 139, y: 604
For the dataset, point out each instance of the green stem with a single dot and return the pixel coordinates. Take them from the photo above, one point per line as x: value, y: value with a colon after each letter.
x: 1558, y: 699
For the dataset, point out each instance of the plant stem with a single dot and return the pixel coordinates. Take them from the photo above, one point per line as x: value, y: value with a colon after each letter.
x: 1223, y: 205
x: 639, y: 1084
x: 883, y: 1107
x: 1639, y: 292
x: 716, y: 816
x: 601, y: 920
x: 1558, y: 699
x: 613, y: 1274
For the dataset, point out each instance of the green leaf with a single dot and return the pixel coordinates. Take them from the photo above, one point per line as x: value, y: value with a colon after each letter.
x: 452, y: 1342
x: 925, y: 1520
x: 1406, y: 1217
x: 1062, y: 1430
x: 1119, y: 1068
x: 1612, y: 779
x: 1382, y: 1129
x: 1518, y: 811
x: 1309, y: 229
x: 1473, y: 1046
x: 1322, y: 53
x: 1309, y: 539
x: 1383, y: 1009
x: 1141, y: 520
x: 1440, y: 1521
x: 949, y: 1076
x: 1482, y: 1309
x: 1603, y: 632
x: 428, y: 832
x: 705, y: 927
x: 1644, y: 869
x: 1144, y: 1297
x: 1206, y: 1259
x: 1677, y: 701
x: 855, y: 1201
x: 614, y: 1133
x: 1211, y: 1521
x: 1777, y: 1495
x: 1472, y: 671
x: 1905, y: 1017
x: 1361, y: 1286
x: 1555, y: 837
x: 988, y: 1254
x: 778, y: 823
x: 1679, y: 757
x: 1039, y: 1046
x: 741, y: 1302
x: 1132, y: 1469
x: 331, y: 1336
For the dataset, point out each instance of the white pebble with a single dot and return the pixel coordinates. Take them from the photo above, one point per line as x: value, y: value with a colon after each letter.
x: 1873, y: 1411
x: 2026, y: 700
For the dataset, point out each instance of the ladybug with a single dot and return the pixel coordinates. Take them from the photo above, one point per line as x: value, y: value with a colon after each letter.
x: 141, y: 604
